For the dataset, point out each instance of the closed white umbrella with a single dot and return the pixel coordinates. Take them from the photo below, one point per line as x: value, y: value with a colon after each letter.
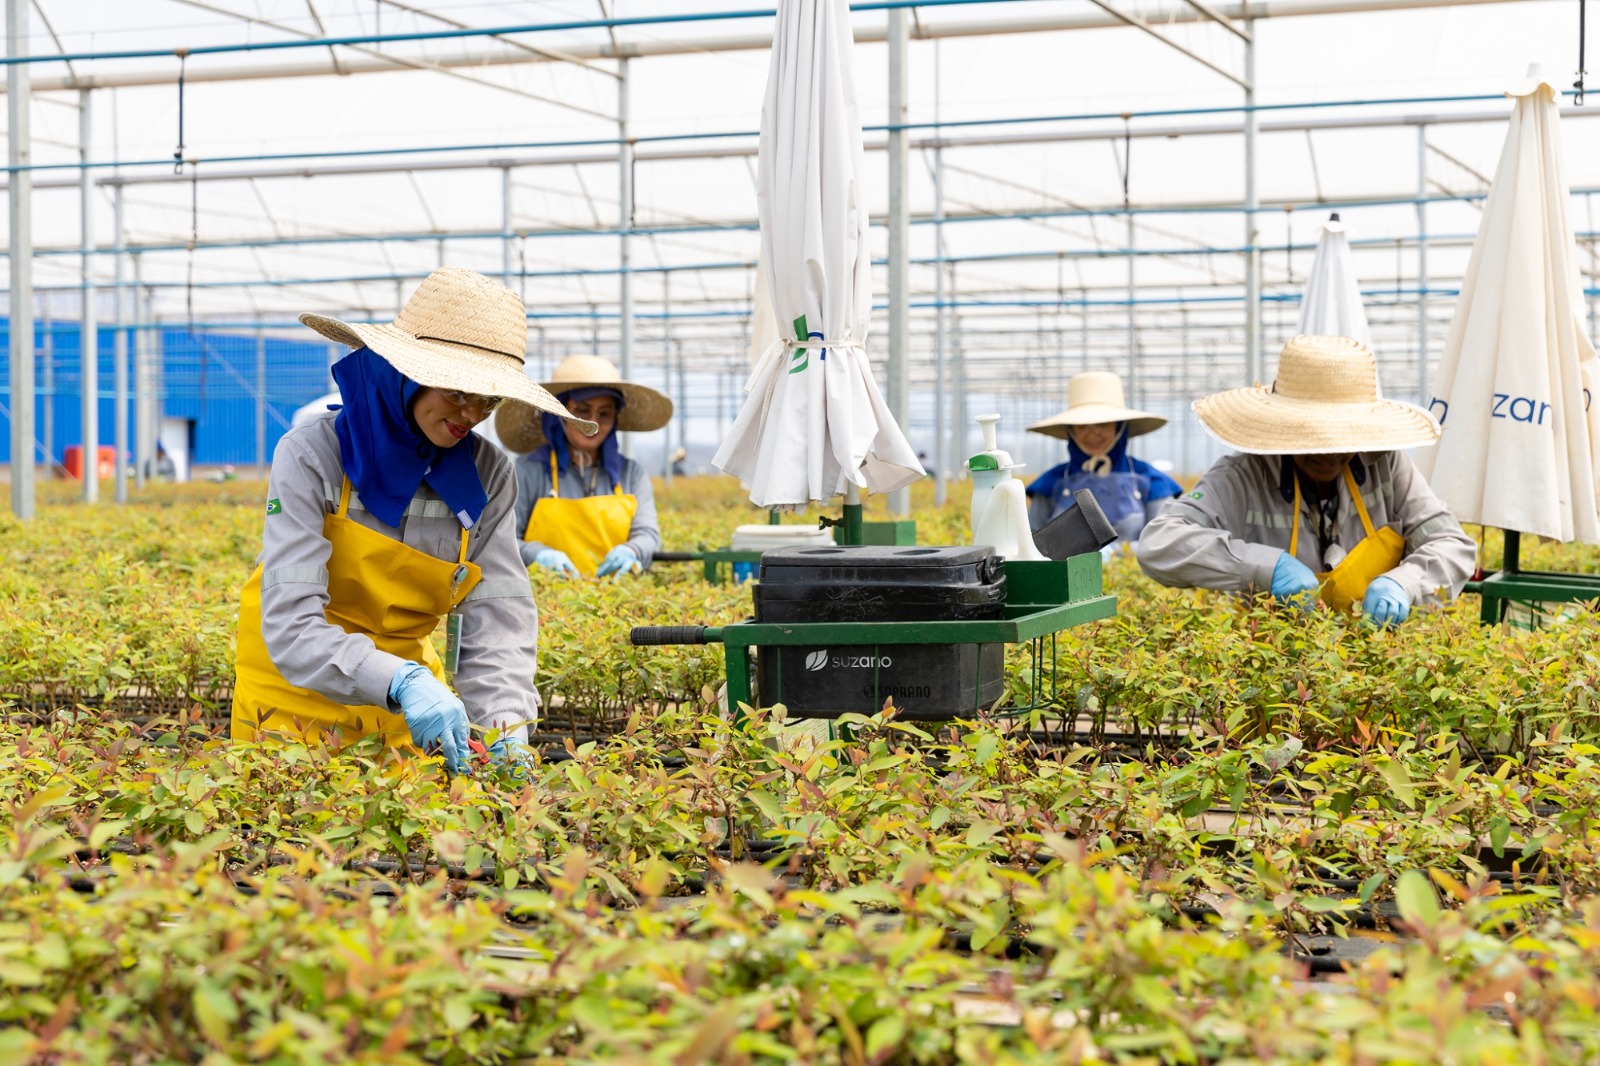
x: 815, y: 422
x: 1332, y: 304
x: 1516, y: 451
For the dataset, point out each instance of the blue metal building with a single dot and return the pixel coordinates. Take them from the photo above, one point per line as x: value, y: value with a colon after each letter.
x: 207, y: 378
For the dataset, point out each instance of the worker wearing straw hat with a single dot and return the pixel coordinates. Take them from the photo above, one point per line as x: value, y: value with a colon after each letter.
x: 582, y: 506
x: 1321, y: 503
x: 386, y: 516
x: 1097, y: 425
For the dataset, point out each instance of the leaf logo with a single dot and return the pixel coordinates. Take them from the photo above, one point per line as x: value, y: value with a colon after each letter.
x: 817, y: 660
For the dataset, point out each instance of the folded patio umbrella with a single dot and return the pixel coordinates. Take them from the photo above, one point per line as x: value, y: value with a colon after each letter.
x: 1332, y: 304
x: 814, y: 422
x: 1512, y: 392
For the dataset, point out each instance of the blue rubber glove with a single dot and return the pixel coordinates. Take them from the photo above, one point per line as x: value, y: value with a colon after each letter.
x: 1293, y: 581
x: 434, y: 715
x: 551, y: 559
x: 1386, y: 603
x: 512, y: 754
x: 619, y: 560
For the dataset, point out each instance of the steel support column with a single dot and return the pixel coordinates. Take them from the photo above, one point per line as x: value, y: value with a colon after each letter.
x: 141, y: 383
x: 1252, y: 257
x: 899, y: 376
x: 119, y: 370
x: 20, y: 322
x: 625, y: 224
x: 261, y: 404
x: 88, y: 325
x: 1422, y: 266
x: 505, y: 226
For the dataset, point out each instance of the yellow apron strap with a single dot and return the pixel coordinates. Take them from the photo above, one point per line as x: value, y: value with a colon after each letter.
x: 555, y: 476
x: 1294, y: 531
x: 1355, y: 494
x: 344, y: 499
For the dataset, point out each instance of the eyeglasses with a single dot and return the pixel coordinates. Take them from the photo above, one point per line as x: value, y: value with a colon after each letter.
x: 464, y: 400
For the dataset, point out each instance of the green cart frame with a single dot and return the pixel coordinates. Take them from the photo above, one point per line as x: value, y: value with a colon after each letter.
x: 1043, y: 598
x: 1500, y: 589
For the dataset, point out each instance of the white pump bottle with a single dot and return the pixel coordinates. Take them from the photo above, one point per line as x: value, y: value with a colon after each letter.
x: 999, y: 516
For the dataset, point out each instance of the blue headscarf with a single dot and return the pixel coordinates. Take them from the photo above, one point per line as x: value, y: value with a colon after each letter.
x: 386, y: 456
x: 556, y: 437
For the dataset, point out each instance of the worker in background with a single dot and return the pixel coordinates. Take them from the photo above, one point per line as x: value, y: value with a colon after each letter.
x: 680, y: 462
x: 1320, y: 503
x: 1097, y: 425
x: 582, y: 506
x: 382, y: 518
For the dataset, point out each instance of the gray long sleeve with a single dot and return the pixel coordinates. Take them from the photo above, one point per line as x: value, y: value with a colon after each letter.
x: 533, y: 485
x: 495, y: 674
x: 1230, y: 530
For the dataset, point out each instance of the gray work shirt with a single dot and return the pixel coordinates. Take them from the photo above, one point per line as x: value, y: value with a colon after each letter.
x: 499, y: 623
x: 1229, y: 532
x: 533, y: 484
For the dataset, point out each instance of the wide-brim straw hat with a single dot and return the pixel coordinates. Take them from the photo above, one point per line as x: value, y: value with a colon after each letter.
x: 1095, y: 397
x: 459, y: 331
x: 1325, y: 400
x: 643, y: 408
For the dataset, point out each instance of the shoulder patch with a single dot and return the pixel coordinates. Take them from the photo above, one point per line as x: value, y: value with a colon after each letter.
x: 1195, y: 495
x: 274, y: 507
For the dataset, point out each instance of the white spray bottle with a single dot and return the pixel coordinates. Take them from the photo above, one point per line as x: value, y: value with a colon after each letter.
x: 999, y: 516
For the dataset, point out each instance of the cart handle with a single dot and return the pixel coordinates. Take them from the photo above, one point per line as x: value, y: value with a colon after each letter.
x: 644, y: 635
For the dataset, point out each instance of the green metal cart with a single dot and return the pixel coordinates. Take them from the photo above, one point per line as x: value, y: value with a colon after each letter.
x: 1043, y: 598
x: 1511, y: 585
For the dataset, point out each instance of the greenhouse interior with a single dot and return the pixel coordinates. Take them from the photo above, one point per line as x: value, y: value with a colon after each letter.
x: 958, y: 531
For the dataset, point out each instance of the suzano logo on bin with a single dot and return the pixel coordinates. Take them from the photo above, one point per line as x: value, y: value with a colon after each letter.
x: 819, y: 660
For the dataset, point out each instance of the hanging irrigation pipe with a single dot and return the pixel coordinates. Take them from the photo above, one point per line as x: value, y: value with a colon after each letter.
x: 751, y: 226
x: 470, y: 32
x: 670, y: 138
x: 1437, y: 239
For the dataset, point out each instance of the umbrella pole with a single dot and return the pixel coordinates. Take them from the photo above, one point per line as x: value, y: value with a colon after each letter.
x: 1512, y: 562
x: 852, y: 514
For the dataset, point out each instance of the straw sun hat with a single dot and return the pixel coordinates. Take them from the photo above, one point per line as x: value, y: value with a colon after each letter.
x: 643, y: 408
x: 1094, y: 397
x: 1325, y: 400
x: 459, y: 331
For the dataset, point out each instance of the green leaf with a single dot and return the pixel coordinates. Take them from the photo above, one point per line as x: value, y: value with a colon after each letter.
x: 887, y: 1032
x: 1415, y: 897
x: 1499, y: 833
x: 104, y: 832
x: 215, y: 1011
x: 988, y: 744
x: 767, y: 804
x: 1394, y: 772
x: 195, y: 822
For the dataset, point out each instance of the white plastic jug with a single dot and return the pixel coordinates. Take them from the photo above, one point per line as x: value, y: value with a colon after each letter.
x: 999, y: 515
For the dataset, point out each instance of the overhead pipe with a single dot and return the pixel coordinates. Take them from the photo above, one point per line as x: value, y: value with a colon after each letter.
x: 606, y: 49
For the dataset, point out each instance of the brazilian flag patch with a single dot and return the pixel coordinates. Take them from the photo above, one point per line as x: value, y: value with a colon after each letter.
x: 274, y: 507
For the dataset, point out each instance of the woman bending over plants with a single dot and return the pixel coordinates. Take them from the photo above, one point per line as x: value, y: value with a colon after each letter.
x: 383, y: 516
x: 1320, y: 503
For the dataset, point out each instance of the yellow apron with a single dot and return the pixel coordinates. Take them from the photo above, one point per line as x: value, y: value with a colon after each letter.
x: 585, y: 529
x: 1378, y: 552
x: 378, y: 586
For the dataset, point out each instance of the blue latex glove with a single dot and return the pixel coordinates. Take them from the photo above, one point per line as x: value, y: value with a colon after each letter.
x: 1386, y: 603
x: 619, y: 560
x: 434, y: 715
x: 551, y: 559
x: 512, y: 754
x: 1293, y: 581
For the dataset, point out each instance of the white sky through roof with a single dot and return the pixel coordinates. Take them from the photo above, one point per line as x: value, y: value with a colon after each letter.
x: 1020, y: 281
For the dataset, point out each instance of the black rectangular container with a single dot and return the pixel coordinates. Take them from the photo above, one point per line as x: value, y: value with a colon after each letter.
x: 881, y: 584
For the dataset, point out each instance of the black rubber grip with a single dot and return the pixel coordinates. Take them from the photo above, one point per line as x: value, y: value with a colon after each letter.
x: 677, y: 557
x: 642, y: 635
